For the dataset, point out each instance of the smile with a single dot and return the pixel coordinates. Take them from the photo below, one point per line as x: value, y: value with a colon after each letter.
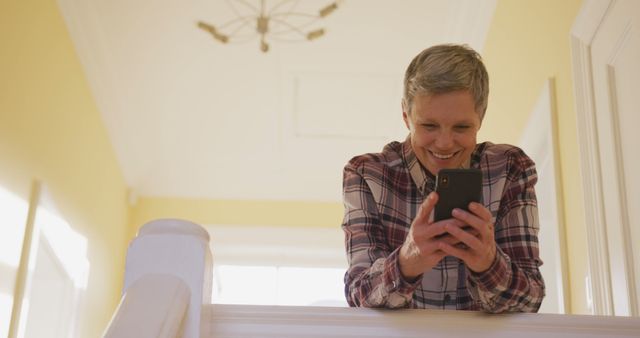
x: 443, y: 156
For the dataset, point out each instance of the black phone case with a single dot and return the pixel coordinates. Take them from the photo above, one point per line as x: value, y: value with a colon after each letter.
x: 456, y: 189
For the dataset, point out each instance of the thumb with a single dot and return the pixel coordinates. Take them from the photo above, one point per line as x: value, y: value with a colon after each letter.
x: 427, y: 207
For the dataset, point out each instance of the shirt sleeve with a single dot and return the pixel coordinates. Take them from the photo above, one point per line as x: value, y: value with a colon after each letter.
x: 373, y: 278
x: 513, y: 282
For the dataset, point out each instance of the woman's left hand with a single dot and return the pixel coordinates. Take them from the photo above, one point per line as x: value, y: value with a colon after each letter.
x: 479, y: 249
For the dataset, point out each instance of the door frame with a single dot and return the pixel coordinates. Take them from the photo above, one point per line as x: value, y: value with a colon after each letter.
x: 603, y: 275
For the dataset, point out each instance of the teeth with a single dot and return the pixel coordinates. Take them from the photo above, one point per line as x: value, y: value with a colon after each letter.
x: 443, y: 156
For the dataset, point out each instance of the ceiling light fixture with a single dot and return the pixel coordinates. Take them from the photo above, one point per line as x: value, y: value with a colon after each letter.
x: 269, y: 20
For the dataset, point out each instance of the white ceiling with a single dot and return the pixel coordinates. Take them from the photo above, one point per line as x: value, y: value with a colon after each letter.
x: 190, y: 117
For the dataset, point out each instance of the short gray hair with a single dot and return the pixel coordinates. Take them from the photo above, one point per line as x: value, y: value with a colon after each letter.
x: 447, y: 68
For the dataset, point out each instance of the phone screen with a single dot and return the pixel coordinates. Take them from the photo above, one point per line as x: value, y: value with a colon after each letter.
x: 457, y: 188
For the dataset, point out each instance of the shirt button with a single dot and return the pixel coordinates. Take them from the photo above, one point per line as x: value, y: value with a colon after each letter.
x: 447, y: 298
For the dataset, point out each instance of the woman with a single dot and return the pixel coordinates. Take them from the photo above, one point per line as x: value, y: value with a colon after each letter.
x: 397, y: 255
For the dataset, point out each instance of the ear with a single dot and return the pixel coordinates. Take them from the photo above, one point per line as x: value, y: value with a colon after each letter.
x: 479, y: 121
x: 405, y: 114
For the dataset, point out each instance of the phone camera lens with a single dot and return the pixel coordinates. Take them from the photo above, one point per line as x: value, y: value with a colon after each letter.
x: 444, y: 181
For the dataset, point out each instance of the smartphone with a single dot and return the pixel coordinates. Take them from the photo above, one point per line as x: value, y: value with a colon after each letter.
x: 457, y: 188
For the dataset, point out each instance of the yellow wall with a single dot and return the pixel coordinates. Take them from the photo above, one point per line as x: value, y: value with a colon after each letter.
x: 202, y: 211
x: 527, y: 43
x: 50, y: 129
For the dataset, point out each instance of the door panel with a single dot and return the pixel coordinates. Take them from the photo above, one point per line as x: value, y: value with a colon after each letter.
x: 611, y: 49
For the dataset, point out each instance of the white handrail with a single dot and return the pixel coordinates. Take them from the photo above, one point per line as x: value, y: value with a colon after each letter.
x: 168, y: 255
x: 168, y: 288
x: 154, y: 306
x: 232, y: 321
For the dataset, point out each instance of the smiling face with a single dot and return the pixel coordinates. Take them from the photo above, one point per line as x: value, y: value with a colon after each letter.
x: 443, y: 129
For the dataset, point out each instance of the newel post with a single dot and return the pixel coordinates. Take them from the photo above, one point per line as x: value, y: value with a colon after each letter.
x: 180, y: 249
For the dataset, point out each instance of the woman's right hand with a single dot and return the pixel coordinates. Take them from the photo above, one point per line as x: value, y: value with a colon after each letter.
x: 419, y: 252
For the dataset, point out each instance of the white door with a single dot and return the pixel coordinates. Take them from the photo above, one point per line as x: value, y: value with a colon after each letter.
x: 606, y: 39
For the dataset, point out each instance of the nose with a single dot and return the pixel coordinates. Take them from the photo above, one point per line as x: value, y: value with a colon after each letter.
x: 444, y: 140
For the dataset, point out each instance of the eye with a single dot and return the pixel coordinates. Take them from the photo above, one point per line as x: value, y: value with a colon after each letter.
x: 430, y: 126
x: 462, y: 127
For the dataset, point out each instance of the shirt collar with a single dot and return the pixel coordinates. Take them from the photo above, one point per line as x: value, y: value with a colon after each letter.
x: 422, y: 178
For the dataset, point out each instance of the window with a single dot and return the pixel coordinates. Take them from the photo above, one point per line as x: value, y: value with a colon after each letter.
x: 266, y: 265
x: 274, y: 285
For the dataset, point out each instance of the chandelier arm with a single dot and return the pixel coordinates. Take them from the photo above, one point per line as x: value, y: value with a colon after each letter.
x: 307, y: 15
x: 273, y: 9
x: 245, y: 21
x: 312, y: 18
x: 234, y: 33
x: 243, y: 2
x: 298, y: 28
x: 287, y: 40
x: 287, y: 21
x: 239, y: 39
x: 292, y: 28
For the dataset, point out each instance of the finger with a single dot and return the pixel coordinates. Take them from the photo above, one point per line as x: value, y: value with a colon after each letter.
x: 480, y: 211
x: 472, y: 260
x: 477, y: 228
x: 447, y: 238
x: 426, y: 208
x: 464, y: 237
x: 471, y: 230
x: 435, y: 197
x: 457, y: 251
x: 437, y: 229
x: 473, y: 220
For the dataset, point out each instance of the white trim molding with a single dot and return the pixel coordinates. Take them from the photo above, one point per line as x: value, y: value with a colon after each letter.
x: 539, y: 141
x: 599, y: 270
x: 601, y: 31
x: 223, y: 321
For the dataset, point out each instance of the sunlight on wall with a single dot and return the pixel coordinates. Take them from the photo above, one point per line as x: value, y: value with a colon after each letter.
x: 6, y: 302
x: 54, y: 276
x: 68, y: 246
x: 57, y: 275
x: 13, y: 217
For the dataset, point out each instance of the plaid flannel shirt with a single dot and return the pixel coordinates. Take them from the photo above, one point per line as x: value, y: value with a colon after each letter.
x: 382, y: 193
